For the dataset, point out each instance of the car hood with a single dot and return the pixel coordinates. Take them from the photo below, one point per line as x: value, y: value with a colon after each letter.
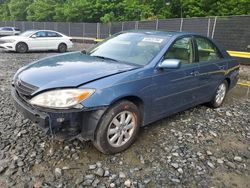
x: 69, y: 70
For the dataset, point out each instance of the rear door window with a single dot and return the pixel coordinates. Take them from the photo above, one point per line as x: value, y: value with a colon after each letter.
x: 52, y: 34
x: 207, y: 51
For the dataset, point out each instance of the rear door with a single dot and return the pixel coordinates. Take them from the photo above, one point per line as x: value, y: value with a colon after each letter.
x: 212, y: 66
x: 175, y: 89
x: 53, y: 39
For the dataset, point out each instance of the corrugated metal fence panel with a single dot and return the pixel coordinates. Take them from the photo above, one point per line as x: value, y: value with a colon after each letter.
x: 90, y: 30
x: 63, y: 28
x: 129, y: 25
x: 76, y: 29
x: 147, y: 25
x: 11, y: 24
x: 2, y: 24
x: 169, y: 25
x: 116, y: 27
x: 39, y: 25
x: 28, y: 26
x: 195, y: 25
x: 19, y: 25
x: 233, y: 32
x: 104, y: 30
x: 50, y: 25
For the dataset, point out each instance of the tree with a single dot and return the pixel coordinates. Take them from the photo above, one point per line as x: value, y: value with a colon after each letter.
x: 117, y: 10
x: 4, y: 11
x: 18, y: 9
x: 41, y: 10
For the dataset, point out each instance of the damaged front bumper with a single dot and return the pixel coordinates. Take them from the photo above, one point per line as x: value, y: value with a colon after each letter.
x: 63, y: 124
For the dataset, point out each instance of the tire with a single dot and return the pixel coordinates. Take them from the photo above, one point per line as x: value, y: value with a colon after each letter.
x: 22, y: 47
x: 111, y: 136
x: 62, y: 48
x: 220, y: 95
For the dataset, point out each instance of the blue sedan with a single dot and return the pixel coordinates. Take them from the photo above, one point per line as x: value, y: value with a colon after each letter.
x: 105, y: 94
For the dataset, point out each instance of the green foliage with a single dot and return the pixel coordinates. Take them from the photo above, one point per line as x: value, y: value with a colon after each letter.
x: 117, y: 10
x: 18, y: 9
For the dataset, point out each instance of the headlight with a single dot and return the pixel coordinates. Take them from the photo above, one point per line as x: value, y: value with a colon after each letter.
x: 62, y: 98
x: 9, y: 41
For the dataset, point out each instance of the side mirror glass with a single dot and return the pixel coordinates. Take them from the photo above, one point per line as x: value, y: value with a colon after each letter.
x: 170, y: 64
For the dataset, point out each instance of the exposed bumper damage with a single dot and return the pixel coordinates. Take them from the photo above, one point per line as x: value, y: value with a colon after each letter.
x: 63, y: 124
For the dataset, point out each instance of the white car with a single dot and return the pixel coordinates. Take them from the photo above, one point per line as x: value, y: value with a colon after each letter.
x: 37, y: 40
x: 6, y: 31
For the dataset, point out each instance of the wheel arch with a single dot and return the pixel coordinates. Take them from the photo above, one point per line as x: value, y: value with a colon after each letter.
x: 134, y: 99
x: 228, y: 82
x: 62, y: 43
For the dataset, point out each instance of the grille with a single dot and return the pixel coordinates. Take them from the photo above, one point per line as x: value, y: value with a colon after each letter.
x: 24, y: 89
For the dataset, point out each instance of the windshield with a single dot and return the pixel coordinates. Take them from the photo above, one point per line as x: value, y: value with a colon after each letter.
x: 26, y: 33
x: 135, y: 48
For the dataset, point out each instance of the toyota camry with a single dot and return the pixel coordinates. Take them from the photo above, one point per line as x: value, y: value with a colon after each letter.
x: 106, y: 93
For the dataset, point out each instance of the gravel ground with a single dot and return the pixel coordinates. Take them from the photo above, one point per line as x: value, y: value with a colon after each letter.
x: 245, y: 72
x: 200, y: 147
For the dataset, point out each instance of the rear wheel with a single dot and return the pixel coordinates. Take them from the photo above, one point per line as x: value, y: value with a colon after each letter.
x: 118, y: 128
x: 21, y: 47
x: 62, y: 48
x: 220, y: 95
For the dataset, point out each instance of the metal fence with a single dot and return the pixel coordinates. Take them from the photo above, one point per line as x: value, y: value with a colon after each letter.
x: 231, y: 32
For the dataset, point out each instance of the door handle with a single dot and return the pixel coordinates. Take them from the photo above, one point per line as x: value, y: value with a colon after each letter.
x: 195, y: 73
x: 222, y: 67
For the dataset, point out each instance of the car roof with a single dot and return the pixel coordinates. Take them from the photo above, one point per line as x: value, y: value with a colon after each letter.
x: 36, y: 30
x: 161, y: 33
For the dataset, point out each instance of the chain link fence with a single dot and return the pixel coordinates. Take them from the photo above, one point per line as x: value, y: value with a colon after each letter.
x: 231, y: 32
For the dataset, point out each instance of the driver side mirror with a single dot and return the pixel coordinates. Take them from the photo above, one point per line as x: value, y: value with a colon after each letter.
x: 170, y: 64
x: 33, y: 36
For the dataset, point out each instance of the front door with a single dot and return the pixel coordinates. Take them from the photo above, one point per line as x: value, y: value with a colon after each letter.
x: 38, y: 41
x: 175, y: 89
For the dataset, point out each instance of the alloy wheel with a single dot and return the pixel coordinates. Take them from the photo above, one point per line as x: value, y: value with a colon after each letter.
x: 121, y: 128
x: 220, y: 93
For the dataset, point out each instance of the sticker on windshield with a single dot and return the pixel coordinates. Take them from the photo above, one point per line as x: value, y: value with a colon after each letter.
x: 151, y: 39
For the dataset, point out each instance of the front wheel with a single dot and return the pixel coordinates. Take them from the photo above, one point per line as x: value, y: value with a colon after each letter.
x: 220, y: 95
x: 21, y: 47
x: 118, y: 128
